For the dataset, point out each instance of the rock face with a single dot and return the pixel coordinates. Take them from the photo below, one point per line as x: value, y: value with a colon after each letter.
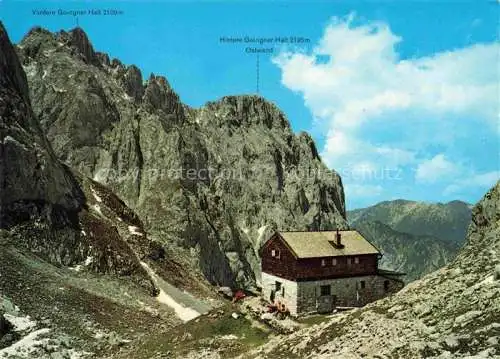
x: 450, y: 313
x: 32, y: 179
x: 209, y: 183
x: 44, y: 206
x: 415, y: 237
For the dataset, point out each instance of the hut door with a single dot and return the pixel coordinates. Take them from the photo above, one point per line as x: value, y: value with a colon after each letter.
x: 324, y: 303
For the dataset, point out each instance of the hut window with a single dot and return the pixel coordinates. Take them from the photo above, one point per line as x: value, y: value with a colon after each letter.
x: 278, y: 286
x: 386, y: 285
x: 356, y: 260
x: 348, y: 261
x: 323, y: 263
x: 334, y: 261
x: 275, y: 253
x: 362, y: 284
x: 325, y: 290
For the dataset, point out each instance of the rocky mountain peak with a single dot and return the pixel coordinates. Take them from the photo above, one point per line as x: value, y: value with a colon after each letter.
x: 159, y: 95
x: 37, y: 30
x: 103, y: 58
x: 458, y: 204
x: 306, y: 139
x: 41, y: 43
x: 247, y: 110
x: 116, y: 64
x: 79, y: 40
x: 161, y: 81
x: 132, y: 81
x: 448, y: 221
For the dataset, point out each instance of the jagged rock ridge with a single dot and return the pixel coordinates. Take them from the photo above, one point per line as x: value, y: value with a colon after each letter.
x: 212, y: 182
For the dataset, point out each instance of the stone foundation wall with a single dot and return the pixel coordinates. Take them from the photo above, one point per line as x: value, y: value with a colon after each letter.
x: 346, y: 292
x: 303, y: 297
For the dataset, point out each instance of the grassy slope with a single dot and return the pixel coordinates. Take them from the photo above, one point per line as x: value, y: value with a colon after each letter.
x: 79, y: 304
x: 202, y: 335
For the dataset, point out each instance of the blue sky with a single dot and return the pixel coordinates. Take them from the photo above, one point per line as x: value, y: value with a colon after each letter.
x: 401, y: 97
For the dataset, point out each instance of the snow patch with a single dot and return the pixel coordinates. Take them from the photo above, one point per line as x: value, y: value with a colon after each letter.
x: 14, y: 141
x: 89, y: 260
x: 229, y: 337
x: 96, y: 196
x: 57, y: 89
x: 76, y: 268
x: 135, y: 230
x: 127, y: 97
x: 20, y: 323
x: 490, y: 279
x: 24, y: 347
x: 79, y: 267
x: 184, y: 313
x: 96, y: 208
x: 260, y: 238
x: 30, y: 70
x: 261, y: 231
x: 99, y: 334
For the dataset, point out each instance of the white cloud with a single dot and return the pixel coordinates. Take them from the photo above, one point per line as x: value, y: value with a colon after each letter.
x: 344, y: 150
x: 482, y: 180
x: 357, y: 190
x: 437, y: 168
x: 386, y: 111
x: 365, y: 77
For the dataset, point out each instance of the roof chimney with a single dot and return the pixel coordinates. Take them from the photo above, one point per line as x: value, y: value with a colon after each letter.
x: 339, y: 238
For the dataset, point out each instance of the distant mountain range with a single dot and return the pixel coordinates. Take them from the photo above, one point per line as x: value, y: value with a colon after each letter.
x: 415, y: 237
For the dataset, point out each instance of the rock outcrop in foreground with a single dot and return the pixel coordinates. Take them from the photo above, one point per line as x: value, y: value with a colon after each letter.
x: 451, y: 313
x: 210, y: 184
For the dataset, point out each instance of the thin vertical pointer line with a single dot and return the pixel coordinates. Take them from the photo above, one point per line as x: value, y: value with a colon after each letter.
x: 258, y: 73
